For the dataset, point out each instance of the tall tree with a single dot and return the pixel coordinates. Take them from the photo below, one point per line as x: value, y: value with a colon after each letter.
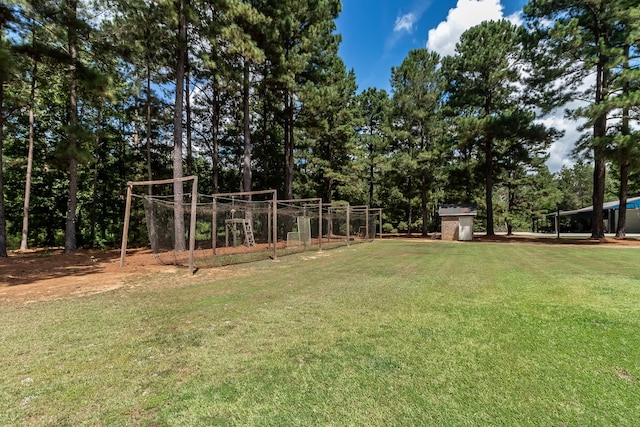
x: 305, y: 31
x: 181, y: 59
x: 485, y: 91
x: 418, y: 87
x: 27, y: 185
x: 330, y: 118
x: 576, y: 42
x: 5, y: 61
x: 626, y: 141
x: 373, y: 107
x: 71, y: 13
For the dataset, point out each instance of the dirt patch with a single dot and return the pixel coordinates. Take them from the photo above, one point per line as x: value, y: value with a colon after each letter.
x: 50, y: 274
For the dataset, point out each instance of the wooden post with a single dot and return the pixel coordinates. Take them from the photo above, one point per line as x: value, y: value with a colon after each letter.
x: 366, y: 235
x: 275, y: 225
x: 125, y: 228
x: 214, y: 226
x: 320, y: 225
x: 127, y: 213
x: 348, y: 225
x: 269, y: 226
x: 558, y: 222
x: 192, y: 226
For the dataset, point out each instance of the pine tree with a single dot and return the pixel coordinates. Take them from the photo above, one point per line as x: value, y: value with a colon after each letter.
x: 373, y: 135
x: 418, y: 88
x: 6, y: 17
x: 330, y: 118
x: 572, y: 40
x: 492, y: 119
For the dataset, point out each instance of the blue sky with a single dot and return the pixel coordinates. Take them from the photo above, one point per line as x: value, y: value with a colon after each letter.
x: 378, y: 34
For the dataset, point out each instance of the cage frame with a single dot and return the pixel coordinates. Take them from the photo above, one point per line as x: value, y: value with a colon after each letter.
x: 274, y: 213
x: 310, y: 200
x: 192, y: 224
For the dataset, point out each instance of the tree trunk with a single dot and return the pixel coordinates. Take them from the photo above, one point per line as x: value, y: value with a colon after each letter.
x: 510, y: 206
x: 599, y: 172
x: 72, y: 201
x: 27, y: 185
x: 151, y: 221
x: 488, y: 154
x: 148, y: 119
x: 288, y: 146
x: 423, y: 205
x: 3, y: 228
x: 246, y: 157
x: 94, y: 199
x: 179, y: 230
x: 371, y: 170
x: 188, y: 111
x: 94, y: 196
x: 410, y: 213
x: 215, y: 153
x: 600, y: 167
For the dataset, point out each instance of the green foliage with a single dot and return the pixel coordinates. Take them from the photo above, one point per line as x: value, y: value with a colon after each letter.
x: 572, y: 40
x: 374, y: 137
x: 492, y: 120
x: 418, y: 88
x: 266, y: 85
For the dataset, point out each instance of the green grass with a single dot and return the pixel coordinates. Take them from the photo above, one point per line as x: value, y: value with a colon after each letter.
x: 392, y: 333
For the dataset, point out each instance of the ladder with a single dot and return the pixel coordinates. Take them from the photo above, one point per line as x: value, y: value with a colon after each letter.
x: 248, y: 233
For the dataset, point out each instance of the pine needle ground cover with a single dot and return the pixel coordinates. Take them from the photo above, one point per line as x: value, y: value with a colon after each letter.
x: 389, y: 333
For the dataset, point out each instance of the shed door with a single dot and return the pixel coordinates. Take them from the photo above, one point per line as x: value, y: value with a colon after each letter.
x: 465, y: 228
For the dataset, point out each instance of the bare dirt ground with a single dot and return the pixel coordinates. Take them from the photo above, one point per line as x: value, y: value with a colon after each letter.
x: 40, y: 275
x: 50, y: 274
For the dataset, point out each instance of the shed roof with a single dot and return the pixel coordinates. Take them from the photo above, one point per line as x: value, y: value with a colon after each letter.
x: 457, y: 210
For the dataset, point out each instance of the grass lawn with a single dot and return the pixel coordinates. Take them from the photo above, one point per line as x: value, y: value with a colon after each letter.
x: 390, y: 333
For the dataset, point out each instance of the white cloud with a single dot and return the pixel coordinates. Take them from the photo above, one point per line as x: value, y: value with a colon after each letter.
x: 469, y: 13
x: 515, y: 18
x: 560, y: 152
x: 405, y: 22
x: 466, y: 14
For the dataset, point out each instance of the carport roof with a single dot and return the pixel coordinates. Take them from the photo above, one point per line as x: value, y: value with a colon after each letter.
x: 632, y: 203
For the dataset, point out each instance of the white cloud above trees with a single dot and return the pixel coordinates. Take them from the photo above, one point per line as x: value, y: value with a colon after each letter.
x: 466, y: 14
x: 469, y: 13
x: 405, y: 22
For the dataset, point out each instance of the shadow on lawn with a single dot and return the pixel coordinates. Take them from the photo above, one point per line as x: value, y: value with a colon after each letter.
x: 549, y: 239
x: 552, y: 240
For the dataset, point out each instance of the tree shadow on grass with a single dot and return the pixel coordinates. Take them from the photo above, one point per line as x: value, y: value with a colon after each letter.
x: 553, y: 240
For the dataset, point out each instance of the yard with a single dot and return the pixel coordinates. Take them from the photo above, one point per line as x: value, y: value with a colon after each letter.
x: 397, y: 332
